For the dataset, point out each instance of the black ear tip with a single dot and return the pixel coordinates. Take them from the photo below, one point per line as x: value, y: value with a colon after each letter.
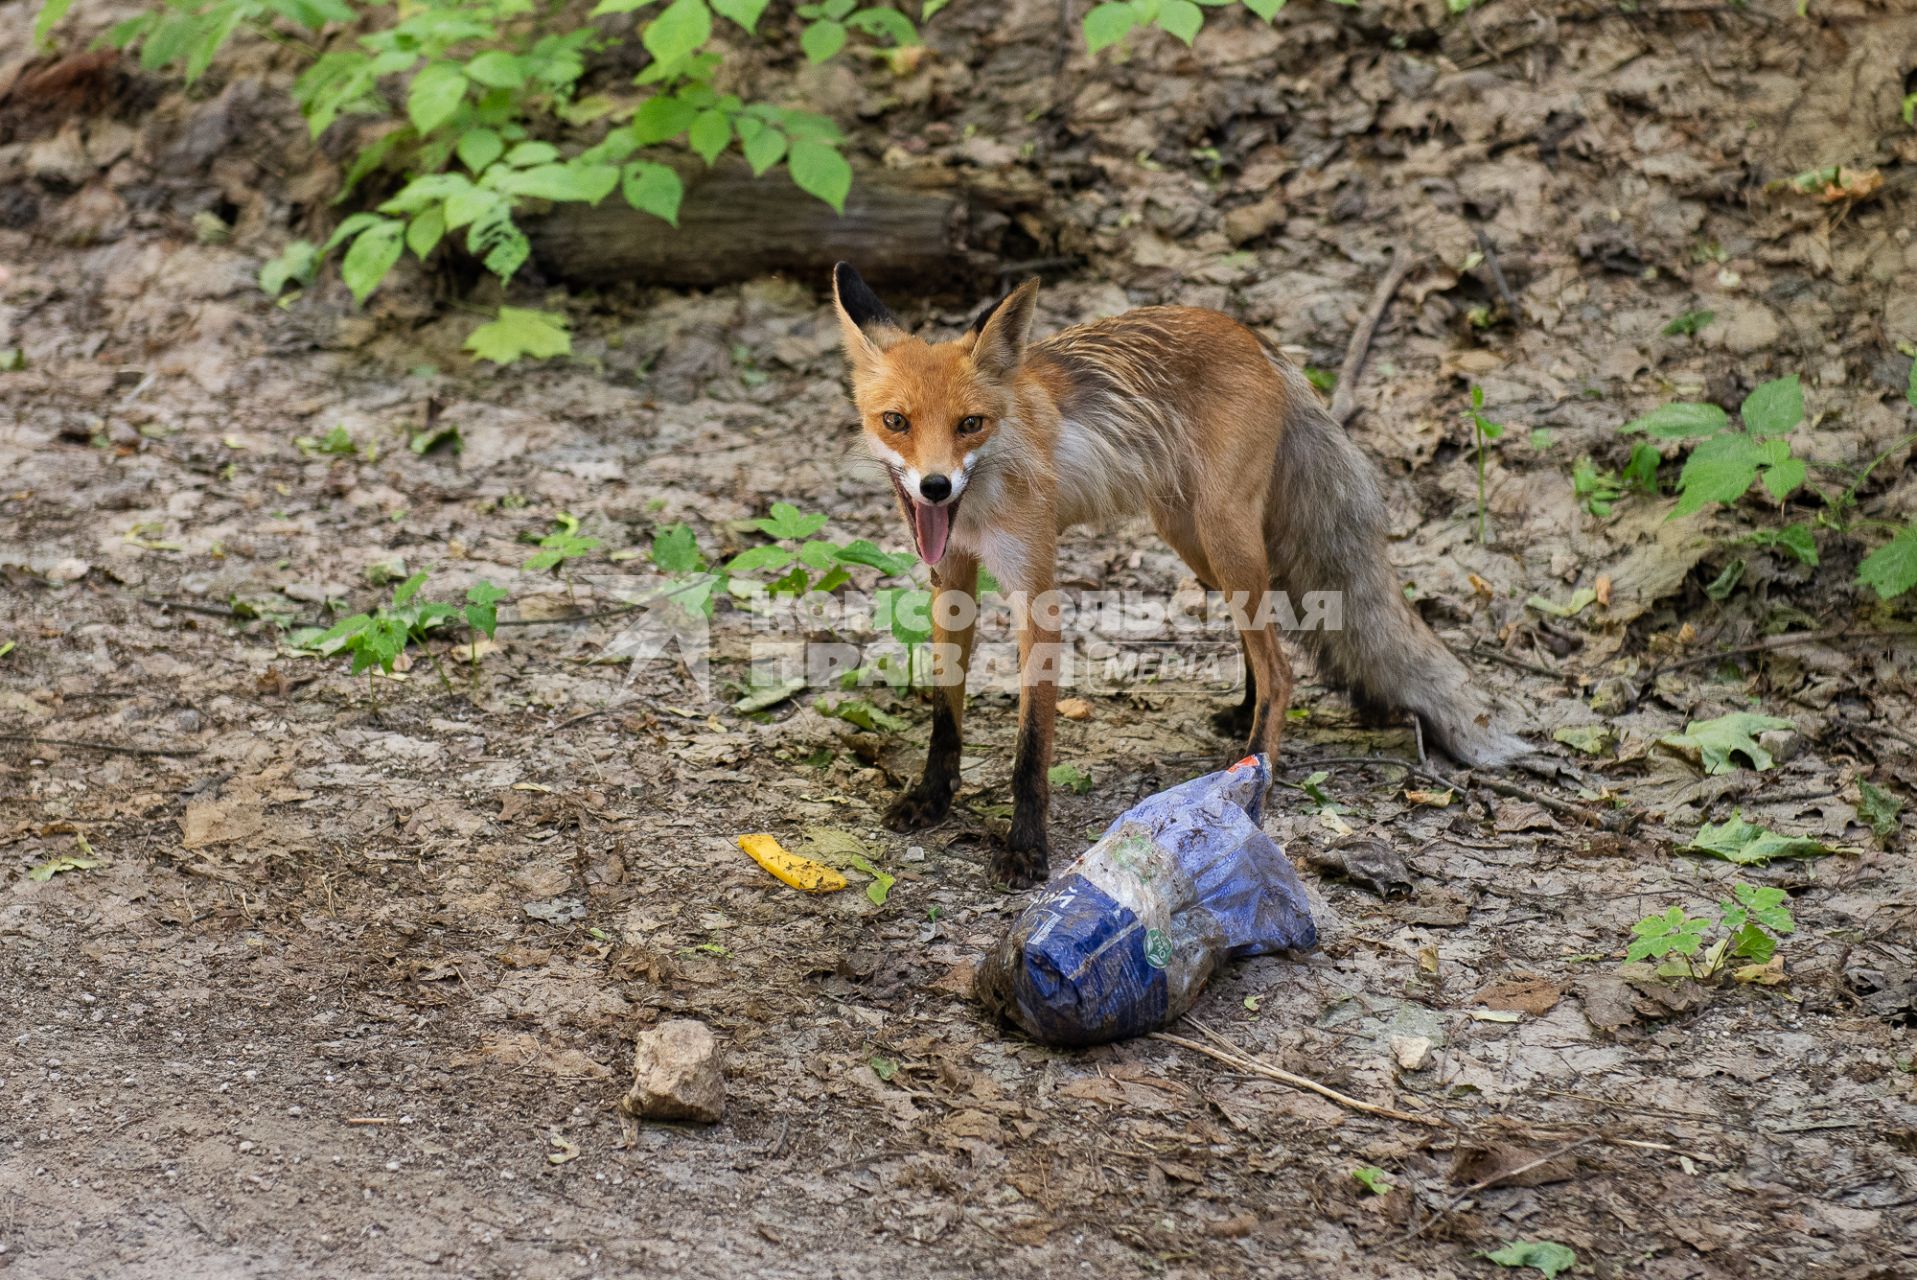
x: 846, y: 276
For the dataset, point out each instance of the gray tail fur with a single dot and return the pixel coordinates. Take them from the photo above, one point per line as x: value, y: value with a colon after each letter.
x: 1325, y: 528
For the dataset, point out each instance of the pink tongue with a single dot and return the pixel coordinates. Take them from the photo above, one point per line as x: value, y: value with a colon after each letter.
x: 931, y: 525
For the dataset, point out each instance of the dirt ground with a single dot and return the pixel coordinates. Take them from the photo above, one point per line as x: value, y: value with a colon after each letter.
x: 352, y: 987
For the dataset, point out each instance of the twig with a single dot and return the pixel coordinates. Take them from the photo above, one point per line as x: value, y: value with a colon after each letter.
x: 364, y: 1120
x: 1344, y: 398
x: 1492, y: 1181
x: 1232, y: 1056
x: 1778, y: 642
x: 99, y: 746
x: 1583, y: 813
x: 1485, y: 651
x: 1490, y: 252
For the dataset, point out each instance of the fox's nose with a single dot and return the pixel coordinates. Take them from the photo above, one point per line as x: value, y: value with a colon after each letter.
x: 936, y: 488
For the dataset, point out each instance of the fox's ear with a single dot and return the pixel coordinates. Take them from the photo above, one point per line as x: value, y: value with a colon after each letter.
x: 867, y: 325
x: 999, y: 333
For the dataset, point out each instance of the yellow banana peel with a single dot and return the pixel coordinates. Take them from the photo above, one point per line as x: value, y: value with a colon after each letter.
x: 800, y: 873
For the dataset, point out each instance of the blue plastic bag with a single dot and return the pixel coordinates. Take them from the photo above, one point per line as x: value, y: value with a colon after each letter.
x: 1123, y: 941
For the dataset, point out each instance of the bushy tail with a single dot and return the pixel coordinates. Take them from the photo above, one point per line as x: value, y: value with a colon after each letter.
x: 1325, y: 530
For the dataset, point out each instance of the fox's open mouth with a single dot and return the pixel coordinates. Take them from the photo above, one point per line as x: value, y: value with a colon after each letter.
x: 931, y: 524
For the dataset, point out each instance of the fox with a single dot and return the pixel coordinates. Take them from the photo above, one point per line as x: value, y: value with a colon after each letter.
x: 995, y: 444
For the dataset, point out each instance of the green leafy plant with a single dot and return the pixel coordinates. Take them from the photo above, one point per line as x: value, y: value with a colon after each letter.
x: 460, y: 92
x: 1370, y: 1176
x: 1483, y: 432
x: 1071, y: 777
x: 1687, y: 324
x: 1877, y: 807
x: 1597, y: 490
x: 1729, y: 461
x: 376, y: 639
x: 564, y: 543
x: 1546, y: 1256
x: 1749, y: 925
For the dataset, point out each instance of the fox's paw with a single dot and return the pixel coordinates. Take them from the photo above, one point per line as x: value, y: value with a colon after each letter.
x: 921, y: 806
x: 1233, y: 721
x: 1021, y: 868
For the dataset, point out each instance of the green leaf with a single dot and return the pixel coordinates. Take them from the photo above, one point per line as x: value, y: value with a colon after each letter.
x: 1716, y: 742
x: 569, y: 181
x: 1891, y: 570
x: 296, y: 264
x: 434, y: 96
x: 527, y: 154
x: 890, y: 563
x: 424, y: 232
x: 1266, y: 9
x: 1688, y: 323
x: 1721, y: 470
x: 1783, y: 479
x: 753, y: 558
x: 1774, y: 407
x: 442, y: 435
x: 863, y: 714
x: 1182, y: 18
x: 787, y: 521
x: 497, y: 69
x: 482, y: 606
x: 478, y: 148
x: 1879, y: 808
x: 1681, y: 421
x: 662, y: 118
x: 1762, y: 903
x: 373, y: 254
x: 521, y: 332
x: 1746, y: 843
x: 676, y: 550
x: 654, y: 189
x: 1910, y: 388
x: 1794, y: 538
x: 765, y: 148
x: 1675, y: 932
x: 1069, y: 776
x: 1109, y: 23
x: 1591, y: 739
x: 882, y: 1067
x: 607, y: 8
x: 819, y: 170
x: 678, y: 31
x: 904, y: 611
x: 406, y: 590
x: 1370, y: 1176
x: 1544, y: 1255
x: 50, y: 14
x: 57, y: 866
x: 822, y: 39
x: 709, y: 134
x: 744, y: 12
x: 888, y: 23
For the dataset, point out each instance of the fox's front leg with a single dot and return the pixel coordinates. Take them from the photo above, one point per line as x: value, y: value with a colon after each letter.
x: 1025, y: 860
x: 954, y: 622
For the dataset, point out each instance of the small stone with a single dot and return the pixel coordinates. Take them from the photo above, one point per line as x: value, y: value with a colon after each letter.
x: 1411, y: 1052
x: 675, y: 1074
x: 1075, y: 708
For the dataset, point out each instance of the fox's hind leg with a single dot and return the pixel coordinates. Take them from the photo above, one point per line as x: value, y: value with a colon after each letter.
x: 1180, y: 533
x: 1234, y: 548
x: 928, y: 800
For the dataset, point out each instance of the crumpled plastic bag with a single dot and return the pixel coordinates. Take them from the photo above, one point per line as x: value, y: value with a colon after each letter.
x: 1124, y: 940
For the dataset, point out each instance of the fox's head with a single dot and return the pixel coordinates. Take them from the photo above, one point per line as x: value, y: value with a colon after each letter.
x: 937, y: 414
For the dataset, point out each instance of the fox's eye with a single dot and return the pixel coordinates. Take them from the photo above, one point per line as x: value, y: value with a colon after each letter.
x: 971, y: 425
x: 894, y: 421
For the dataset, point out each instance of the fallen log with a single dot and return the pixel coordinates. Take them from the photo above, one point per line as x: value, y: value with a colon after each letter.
x: 930, y: 228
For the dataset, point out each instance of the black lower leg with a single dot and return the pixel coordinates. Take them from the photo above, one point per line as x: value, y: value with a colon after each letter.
x: 1236, y: 722
x: 1025, y: 859
x: 930, y: 799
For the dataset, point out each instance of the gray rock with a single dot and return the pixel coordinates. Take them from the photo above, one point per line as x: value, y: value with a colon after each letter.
x: 675, y: 1074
